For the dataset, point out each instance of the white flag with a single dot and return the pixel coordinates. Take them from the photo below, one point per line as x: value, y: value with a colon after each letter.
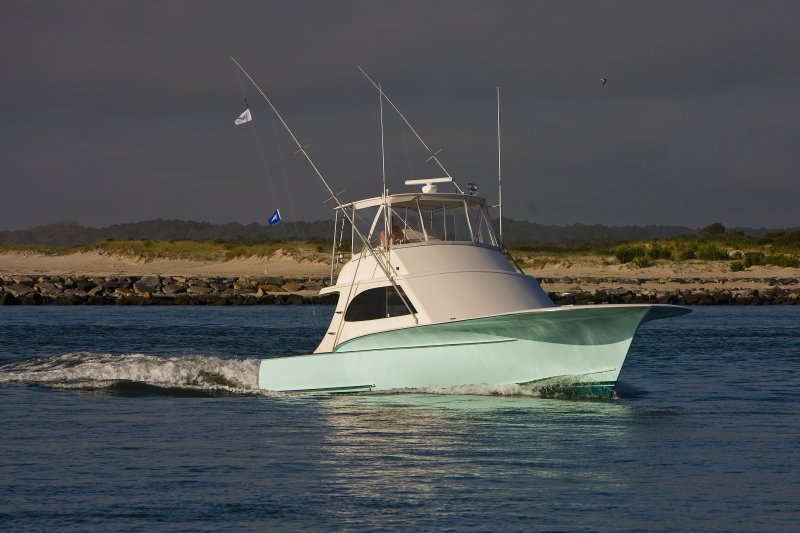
x: 244, y: 117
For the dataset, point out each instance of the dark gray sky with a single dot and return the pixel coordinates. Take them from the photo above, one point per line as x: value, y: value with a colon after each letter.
x: 123, y: 111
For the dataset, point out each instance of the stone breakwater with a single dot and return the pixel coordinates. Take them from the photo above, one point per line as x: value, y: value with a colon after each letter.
x: 181, y: 290
x: 159, y: 290
x: 679, y: 291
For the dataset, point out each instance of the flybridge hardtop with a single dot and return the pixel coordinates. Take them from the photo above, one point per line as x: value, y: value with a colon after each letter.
x: 412, y: 198
x: 427, y: 296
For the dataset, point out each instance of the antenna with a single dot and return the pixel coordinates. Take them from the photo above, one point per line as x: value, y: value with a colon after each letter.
x: 500, y: 190
x: 429, y: 184
x: 386, y: 226
x: 302, y: 150
x: 499, y: 175
x: 432, y: 153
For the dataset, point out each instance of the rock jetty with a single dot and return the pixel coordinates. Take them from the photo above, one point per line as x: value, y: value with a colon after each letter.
x: 159, y: 290
x: 679, y: 291
x: 180, y: 290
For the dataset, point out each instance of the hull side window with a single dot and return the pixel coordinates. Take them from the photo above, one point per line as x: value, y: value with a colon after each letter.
x: 372, y: 304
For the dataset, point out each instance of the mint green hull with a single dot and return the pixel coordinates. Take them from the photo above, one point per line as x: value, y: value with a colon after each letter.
x: 574, y: 346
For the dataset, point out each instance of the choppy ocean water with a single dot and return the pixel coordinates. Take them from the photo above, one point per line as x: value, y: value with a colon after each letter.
x: 149, y: 419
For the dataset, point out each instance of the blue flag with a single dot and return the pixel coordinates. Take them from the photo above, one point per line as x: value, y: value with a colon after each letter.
x: 275, y: 218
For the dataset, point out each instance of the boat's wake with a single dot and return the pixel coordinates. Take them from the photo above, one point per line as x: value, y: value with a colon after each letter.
x: 137, y: 374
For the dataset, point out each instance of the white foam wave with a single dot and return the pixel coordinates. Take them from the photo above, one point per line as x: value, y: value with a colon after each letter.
x: 558, y: 387
x: 86, y: 370
x: 482, y: 389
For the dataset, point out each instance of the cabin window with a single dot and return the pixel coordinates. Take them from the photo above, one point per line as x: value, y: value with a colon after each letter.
x: 372, y: 304
x: 455, y: 222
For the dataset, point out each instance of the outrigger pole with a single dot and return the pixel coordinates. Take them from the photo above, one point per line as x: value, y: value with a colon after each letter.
x: 302, y: 149
x: 432, y: 153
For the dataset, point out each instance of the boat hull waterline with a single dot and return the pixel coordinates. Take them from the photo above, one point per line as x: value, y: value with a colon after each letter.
x: 571, y: 348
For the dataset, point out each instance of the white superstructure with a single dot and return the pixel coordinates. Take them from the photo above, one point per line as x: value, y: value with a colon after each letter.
x: 444, y: 261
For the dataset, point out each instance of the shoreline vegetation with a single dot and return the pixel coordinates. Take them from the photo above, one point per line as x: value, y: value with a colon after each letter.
x: 713, y: 243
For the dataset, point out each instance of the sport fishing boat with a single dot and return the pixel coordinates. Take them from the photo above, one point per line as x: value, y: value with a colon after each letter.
x: 429, y: 297
x: 432, y: 300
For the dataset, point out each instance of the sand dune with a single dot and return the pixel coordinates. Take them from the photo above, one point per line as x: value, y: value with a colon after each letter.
x: 94, y: 263
x: 591, y: 273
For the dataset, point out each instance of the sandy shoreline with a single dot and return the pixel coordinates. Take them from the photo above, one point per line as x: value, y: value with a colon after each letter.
x: 592, y: 273
x: 579, y: 273
x: 97, y: 264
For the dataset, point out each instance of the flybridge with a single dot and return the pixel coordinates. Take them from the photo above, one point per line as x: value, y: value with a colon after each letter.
x: 417, y: 218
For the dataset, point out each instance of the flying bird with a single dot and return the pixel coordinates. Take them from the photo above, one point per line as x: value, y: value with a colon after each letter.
x: 603, y: 81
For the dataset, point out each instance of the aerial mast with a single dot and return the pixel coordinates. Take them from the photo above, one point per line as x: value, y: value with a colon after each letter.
x: 499, y: 174
x: 387, y: 232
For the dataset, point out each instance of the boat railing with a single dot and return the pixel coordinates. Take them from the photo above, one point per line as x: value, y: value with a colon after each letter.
x: 429, y: 221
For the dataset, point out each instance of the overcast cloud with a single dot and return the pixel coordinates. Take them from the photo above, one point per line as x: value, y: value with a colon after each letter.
x: 123, y: 111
